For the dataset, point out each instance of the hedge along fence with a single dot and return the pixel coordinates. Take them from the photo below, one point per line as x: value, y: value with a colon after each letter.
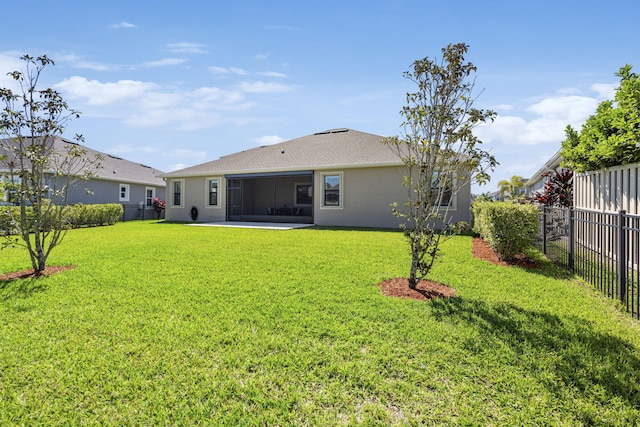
x: 75, y: 216
x: 508, y: 228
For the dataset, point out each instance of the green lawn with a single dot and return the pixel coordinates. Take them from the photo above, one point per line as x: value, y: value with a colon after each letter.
x: 163, y: 324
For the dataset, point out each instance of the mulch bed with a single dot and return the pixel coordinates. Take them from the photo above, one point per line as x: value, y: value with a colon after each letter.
x: 426, y: 289
x: 480, y: 249
x: 26, y: 274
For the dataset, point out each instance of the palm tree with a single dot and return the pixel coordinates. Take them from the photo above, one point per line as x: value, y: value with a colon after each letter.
x: 513, y: 188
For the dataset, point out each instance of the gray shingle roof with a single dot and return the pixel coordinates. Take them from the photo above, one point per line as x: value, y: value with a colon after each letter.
x: 113, y: 168
x: 335, y: 148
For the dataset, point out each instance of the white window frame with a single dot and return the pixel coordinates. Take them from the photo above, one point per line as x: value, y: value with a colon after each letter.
x: 172, y: 193
x: 340, y: 205
x: 295, y: 194
x: 454, y: 195
x: 127, y: 192
x: 149, y: 203
x: 207, y: 187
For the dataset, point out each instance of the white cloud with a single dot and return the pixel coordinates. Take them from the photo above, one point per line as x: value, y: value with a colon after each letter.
x: 262, y: 56
x: 502, y: 107
x: 164, y: 62
x: 520, y: 137
x: 269, y: 140
x: 176, y: 166
x: 605, y: 90
x: 10, y: 61
x: 144, y: 104
x: 78, y: 62
x: 95, y: 66
x: 571, y: 109
x: 550, y: 118
x: 265, y: 87
x: 272, y: 74
x: 218, y: 70
x: 186, y: 47
x: 124, y: 24
x: 231, y: 70
x: 238, y: 71
x: 568, y: 91
x: 95, y: 92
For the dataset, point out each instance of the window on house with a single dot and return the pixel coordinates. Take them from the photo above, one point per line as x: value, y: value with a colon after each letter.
x: 124, y: 193
x: 213, y: 192
x: 176, y: 189
x: 447, y: 195
x: 332, y: 190
x: 150, y: 194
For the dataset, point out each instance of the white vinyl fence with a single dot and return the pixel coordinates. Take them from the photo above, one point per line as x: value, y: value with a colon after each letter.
x: 609, y: 190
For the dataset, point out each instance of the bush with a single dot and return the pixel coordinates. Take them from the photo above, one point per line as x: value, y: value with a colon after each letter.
x: 93, y: 215
x: 508, y: 228
x: 75, y: 216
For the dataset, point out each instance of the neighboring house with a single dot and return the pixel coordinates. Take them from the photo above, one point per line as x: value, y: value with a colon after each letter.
x: 496, y: 196
x: 339, y: 177
x: 130, y: 184
x: 539, y: 179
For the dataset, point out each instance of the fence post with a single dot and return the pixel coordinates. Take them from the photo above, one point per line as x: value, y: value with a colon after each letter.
x: 571, y: 238
x: 622, y: 258
x: 544, y: 230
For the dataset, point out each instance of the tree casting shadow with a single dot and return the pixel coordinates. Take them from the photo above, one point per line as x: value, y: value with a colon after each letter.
x: 580, y: 357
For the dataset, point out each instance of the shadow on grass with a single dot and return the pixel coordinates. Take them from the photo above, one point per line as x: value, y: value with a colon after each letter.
x: 564, y: 354
x: 14, y: 288
x: 546, y: 268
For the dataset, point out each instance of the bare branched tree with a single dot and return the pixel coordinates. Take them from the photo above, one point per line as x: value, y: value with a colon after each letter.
x: 439, y: 150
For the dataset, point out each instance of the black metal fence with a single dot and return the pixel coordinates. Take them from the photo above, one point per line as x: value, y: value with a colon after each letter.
x: 131, y: 212
x: 601, y: 247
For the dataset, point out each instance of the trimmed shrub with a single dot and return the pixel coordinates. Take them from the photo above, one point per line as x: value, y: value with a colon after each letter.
x: 508, y: 228
x: 93, y: 215
x: 75, y: 216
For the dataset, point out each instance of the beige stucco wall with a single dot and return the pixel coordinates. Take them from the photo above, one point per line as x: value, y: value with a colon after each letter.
x: 367, y: 196
x: 195, y: 194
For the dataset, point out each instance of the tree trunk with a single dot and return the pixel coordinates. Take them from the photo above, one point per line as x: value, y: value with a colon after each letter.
x: 413, y: 281
x: 42, y: 262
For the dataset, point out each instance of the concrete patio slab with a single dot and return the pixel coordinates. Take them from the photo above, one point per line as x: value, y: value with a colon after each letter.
x: 263, y: 225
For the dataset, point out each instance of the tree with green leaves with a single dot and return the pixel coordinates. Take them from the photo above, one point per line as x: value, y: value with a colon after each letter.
x: 36, y: 172
x: 611, y: 136
x: 511, y: 189
x: 440, y: 151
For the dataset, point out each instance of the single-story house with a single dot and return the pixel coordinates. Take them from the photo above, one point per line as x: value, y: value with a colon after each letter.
x: 130, y: 184
x: 539, y: 179
x: 339, y: 177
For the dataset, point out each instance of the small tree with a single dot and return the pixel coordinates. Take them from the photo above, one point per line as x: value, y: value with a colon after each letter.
x: 513, y: 188
x: 439, y: 150
x: 37, y: 172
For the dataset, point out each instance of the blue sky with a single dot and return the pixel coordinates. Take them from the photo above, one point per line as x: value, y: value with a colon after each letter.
x: 172, y: 84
